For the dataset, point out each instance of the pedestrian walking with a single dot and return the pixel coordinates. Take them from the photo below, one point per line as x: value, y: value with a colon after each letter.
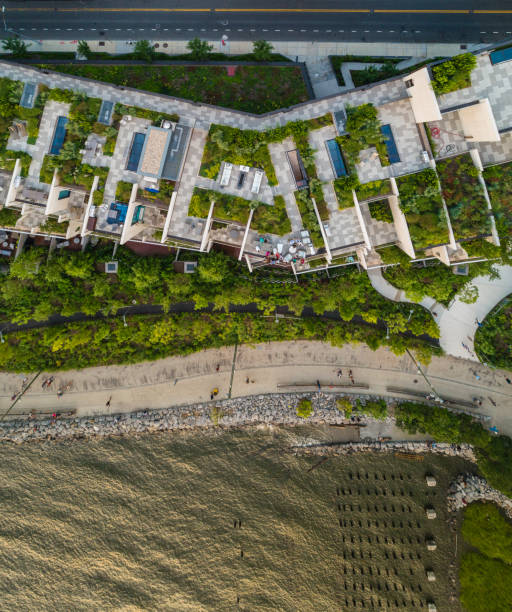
x: 318, y: 385
x: 508, y: 381
x: 491, y: 400
x: 339, y: 374
x: 14, y: 396
x: 44, y: 383
x: 107, y: 403
x: 217, y: 368
x: 59, y: 392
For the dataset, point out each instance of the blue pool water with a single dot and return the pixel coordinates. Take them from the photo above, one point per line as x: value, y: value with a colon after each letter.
x: 135, y: 151
x: 58, y: 136
x: 502, y: 55
x: 390, y: 144
x: 338, y: 163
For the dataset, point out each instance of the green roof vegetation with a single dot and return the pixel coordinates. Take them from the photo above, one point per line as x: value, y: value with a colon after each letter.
x: 453, y: 74
x: 253, y: 89
x: 464, y: 197
x: 420, y: 201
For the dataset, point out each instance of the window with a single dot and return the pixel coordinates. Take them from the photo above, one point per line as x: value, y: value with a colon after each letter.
x: 409, y: 83
x: 64, y: 194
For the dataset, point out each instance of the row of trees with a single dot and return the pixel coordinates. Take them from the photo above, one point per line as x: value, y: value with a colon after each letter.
x: 199, y: 49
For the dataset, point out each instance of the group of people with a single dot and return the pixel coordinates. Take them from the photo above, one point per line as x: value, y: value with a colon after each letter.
x: 339, y: 374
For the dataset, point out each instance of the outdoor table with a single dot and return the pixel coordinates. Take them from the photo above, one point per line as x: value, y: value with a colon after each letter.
x: 292, y: 249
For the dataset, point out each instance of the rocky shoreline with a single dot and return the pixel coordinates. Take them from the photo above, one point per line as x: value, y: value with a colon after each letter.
x: 271, y: 409
x: 468, y: 488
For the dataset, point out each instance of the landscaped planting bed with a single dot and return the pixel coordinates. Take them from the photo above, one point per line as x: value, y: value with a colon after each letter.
x: 374, y: 189
x: 227, y: 207
x: 380, y: 211
x: 499, y: 186
x: 254, y: 89
x: 343, y: 187
x: 309, y: 218
x: 453, y: 74
x: 422, y: 206
x: 272, y: 219
x: 363, y: 127
x: 249, y: 147
x: 124, y: 191
x: 464, y: 197
x: 8, y: 217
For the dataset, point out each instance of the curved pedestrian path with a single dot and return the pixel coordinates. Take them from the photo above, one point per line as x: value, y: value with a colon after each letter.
x: 459, y: 322
x: 385, y: 288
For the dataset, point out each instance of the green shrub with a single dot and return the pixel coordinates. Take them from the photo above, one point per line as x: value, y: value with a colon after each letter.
x: 343, y: 404
x: 343, y: 187
x: 227, y: 207
x: 52, y: 226
x: 124, y: 191
x: 493, y: 339
x: 453, y: 74
x: 272, y: 219
x: 494, y: 453
x: 304, y: 408
x: 8, y: 217
x: 374, y: 189
x: 380, y: 211
x: 378, y: 409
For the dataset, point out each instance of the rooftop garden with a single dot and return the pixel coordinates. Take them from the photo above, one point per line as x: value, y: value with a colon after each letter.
x: 52, y: 226
x: 374, y: 189
x: 421, y: 203
x: 380, y: 211
x: 272, y: 219
x: 343, y: 187
x: 499, y: 186
x: 8, y: 217
x: 249, y: 147
x: 493, y: 340
x: 123, y: 191
x: 464, y: 197
x: 309, y: 218
x: 10, y: 94
x: 267, y: 219
x: 253, y: 89
x: 453, y: 74
x: 227, y: 207
x: 363, y: 127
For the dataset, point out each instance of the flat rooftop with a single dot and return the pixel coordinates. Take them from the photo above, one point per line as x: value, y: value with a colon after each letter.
x: 155, y: 148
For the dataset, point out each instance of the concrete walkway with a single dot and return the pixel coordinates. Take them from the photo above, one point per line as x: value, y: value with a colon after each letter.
x: 270, y: 367
x: 385, y: 288
x: 458, y: 323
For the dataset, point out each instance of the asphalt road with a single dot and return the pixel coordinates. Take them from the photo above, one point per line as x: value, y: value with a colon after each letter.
x: 326, y: 20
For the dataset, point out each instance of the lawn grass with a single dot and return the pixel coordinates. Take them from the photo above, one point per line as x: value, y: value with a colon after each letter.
x: 486, y: 573
x: 493, y: 340
x: 147, y: 523
x: 253, y: 89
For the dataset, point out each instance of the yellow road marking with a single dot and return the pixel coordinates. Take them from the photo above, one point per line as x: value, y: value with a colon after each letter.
x: 434, y: 11
x: 257, y: 10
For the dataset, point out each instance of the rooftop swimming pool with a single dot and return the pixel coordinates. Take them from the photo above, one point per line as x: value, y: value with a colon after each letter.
x: 59, y: 135
x: 135, y: 151
x: 337, y: 161
x: 393, y: 155
x: 503, y: 55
